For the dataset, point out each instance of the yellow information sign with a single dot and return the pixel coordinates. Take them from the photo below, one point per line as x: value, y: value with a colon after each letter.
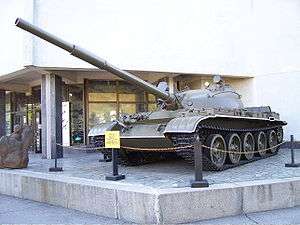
x: 112, y: 139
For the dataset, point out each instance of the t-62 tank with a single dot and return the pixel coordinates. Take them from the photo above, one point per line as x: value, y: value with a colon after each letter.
x: 215, y: 115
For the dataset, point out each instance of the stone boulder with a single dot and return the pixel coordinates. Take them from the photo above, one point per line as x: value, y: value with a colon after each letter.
x: 14, y: 148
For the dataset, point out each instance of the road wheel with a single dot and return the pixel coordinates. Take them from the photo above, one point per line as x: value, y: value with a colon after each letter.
x: 217, y: 158
x: 248, y: 145
x: 261, y: 143
x: 234, y: 144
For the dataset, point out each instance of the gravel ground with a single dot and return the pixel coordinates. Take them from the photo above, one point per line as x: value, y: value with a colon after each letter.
x: 167, y: 174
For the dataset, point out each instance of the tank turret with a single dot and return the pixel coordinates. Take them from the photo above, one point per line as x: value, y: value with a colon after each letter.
x: 216, y: 95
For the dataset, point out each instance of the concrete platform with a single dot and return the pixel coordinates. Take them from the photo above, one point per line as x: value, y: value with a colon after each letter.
x: 156, y: 193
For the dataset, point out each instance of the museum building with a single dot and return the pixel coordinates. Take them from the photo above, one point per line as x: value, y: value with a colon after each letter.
x: 40, y: 83
x: 85, y: 102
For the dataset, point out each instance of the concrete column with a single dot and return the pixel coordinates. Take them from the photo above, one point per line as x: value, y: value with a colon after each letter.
x: 2, y: 114
x: 51, y: 109
x: 171, y: 85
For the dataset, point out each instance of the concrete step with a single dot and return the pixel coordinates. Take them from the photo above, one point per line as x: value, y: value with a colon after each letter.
x: 142, y: 204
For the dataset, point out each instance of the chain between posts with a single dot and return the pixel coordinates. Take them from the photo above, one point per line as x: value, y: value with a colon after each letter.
x: 173, y: 149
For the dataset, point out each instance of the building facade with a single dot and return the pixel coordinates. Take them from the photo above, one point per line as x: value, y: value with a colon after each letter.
x: 253, y: 44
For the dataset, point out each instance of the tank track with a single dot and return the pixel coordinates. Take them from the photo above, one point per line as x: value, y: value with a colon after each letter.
x: 203, y: 131
x: 133, y: 158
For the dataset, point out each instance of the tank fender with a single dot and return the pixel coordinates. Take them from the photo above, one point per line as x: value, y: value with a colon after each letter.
x: 190, y: 123
x: 101, y: 128
x: 183, y: 124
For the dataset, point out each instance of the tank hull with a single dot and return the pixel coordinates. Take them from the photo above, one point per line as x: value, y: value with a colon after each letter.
x: 146, y: 142
x: 182, y: 131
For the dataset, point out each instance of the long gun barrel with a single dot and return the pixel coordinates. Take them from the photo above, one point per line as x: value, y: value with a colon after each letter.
x: 92, y: 59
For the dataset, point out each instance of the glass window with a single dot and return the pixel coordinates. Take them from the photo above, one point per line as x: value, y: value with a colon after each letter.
x: 30, y: 114
x: 127, y: 97
x: 152, y: 107
x: 131, y: 108
x: 8, y: 113
x: 95, y: 86
x: 102, y: 97
x: 129, y: 93
x: 141, y: 107
x: 108, y: 100
x: 151, y: 98
x: 127, y: 108
x: 124, y: 87
x: 76, y: 113
x: 101, y: 113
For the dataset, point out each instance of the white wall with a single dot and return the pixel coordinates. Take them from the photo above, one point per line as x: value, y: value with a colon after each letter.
x: 177, y: 36
x: 281, y: 91
x: 276, y: 63
x: 229, y: 37
x: 15, y: 47
x: 232, y: 37
x: 276, y: 37
x: 209, y: 36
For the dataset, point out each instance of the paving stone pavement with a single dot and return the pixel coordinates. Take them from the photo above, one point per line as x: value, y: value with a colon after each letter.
x: 20, y: 211
x: 280, y: 216
x: 165, y: 174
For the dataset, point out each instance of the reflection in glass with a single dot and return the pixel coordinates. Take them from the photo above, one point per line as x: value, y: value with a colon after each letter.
x: 108, y: 100
x: 130, y: 93
x: 127, y: 109
x: 76, y: 113
x: 29, y: 114
x: 127, y: 97
x: 101, y: 113
x: 152, y: 107
x: 102, y: 97
x: 95, y: 86
x: 151, y: 98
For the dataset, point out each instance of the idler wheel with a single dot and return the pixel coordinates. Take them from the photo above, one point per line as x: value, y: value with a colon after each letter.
x: 234, y: 144
x: 272, y: 141
x: 217, y: 158
x: 248, y: 145
x: 261, y: 143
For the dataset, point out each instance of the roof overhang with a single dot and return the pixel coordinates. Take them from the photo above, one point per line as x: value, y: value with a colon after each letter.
x: 23, y: 80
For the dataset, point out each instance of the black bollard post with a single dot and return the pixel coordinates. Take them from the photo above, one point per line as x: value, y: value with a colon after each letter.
x: 115, y: 176
x: 198, y: 182
x: 292, y: 164
x: 55, y: 168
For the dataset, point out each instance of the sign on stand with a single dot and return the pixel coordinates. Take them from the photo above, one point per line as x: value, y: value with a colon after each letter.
x: 112, y: 139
